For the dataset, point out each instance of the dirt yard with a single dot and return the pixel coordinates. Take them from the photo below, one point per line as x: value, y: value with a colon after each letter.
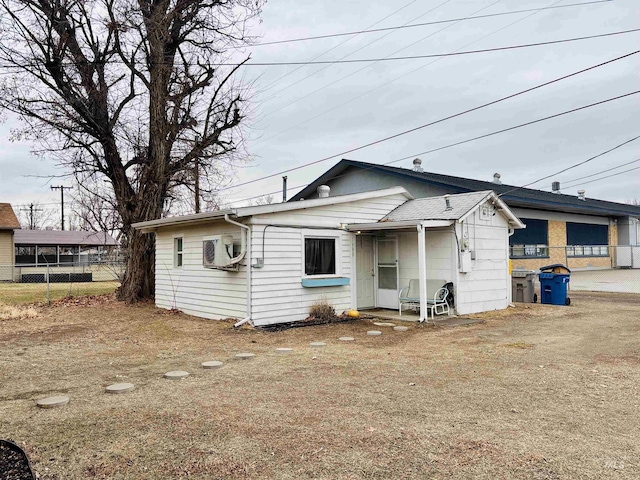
x: 533, y: 392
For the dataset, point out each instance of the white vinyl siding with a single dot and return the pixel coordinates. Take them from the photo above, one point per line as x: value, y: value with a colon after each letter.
x: 277, y: 292
x: 362, y: 211
x: 194, y: 289
x: 486, y: 287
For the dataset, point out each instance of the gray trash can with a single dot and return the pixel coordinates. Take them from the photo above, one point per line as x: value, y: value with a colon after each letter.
x: 523, y: 286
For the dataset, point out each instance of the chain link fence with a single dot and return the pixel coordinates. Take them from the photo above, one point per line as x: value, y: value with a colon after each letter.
x: 593, y: 267
x: 23, y: 284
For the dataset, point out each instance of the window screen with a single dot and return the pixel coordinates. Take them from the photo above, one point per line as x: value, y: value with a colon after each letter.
x: 319, y: 256
x: 25, y: 254
x: 536, y: 233
x: 47, y: 254
x: 586, y: 234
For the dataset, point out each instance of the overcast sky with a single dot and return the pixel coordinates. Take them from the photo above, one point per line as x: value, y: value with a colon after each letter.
x: 378, y: 100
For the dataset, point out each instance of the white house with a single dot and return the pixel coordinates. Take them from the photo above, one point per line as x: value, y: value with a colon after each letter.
x: 269, y: 264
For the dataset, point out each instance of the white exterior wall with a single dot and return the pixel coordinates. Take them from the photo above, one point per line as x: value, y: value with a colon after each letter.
x: 194, y: 289
x: 439, y: 252
x: 487, y: 286
x: 277, y: 292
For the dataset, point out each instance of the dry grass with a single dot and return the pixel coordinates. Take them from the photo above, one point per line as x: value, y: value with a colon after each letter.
x: 14, y: 312
x: 32, y: 293
x: 426, y: 403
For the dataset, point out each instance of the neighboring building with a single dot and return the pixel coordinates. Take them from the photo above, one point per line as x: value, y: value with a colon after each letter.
x: 61, y: 247
x: 8, y: 223
x: 36, y: 256
x: 578, y: 231
x: 271, y: 263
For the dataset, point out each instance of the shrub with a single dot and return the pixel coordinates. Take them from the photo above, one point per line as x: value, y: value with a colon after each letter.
x: 322, y: 310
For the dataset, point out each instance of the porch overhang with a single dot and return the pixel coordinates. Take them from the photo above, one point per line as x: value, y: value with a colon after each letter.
x: 368, y: 227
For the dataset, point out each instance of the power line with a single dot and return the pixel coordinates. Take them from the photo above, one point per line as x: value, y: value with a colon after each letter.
x: 599, y: 173
x: 385, y: 84
x: 573, y: 166
x: 602, y: 178
x: 383, y: 59
x: 435, y: 55
x: 268, y: 87
x: 345, y: 56
x: 334, y: 82
x: 448, y: 118
x: 424, y: 24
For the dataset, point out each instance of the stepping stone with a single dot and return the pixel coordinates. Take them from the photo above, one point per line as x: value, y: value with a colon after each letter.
x: 318, y: 344
x: 176, y: 375
x: 401, y: 329
x: 245, y: 356
x: 346, y: 339
x: 212, y: 364
x: 374, y: 333
x: 120, y: 388
x: 53, y: 402
x: 284, y: 350
x: 384, y: 324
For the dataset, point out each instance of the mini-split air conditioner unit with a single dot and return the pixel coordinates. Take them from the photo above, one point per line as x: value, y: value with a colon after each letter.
x: 217, y: 251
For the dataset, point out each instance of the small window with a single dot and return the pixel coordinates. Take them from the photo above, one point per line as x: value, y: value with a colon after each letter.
x: 177, y: 252
x: 319, y: 256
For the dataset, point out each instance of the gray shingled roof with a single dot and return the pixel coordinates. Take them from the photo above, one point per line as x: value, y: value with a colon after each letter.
x: 435, y: 208
x: 59, y: 237
x: 512, y: 195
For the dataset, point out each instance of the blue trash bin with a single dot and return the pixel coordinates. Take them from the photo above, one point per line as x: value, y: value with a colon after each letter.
x: 553, y: 288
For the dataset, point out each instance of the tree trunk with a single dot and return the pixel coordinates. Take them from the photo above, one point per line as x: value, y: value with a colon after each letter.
x: 139, y: 278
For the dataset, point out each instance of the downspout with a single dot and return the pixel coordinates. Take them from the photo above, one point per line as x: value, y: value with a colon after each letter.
x: 245, y: 249
x: 510, y: 232
x: 243, y: 240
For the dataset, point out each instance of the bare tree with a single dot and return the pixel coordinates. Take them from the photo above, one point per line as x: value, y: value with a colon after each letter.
x: 37, y: 216
x: 263, y: 200
x: 131, y: 92
x: 95, y: 208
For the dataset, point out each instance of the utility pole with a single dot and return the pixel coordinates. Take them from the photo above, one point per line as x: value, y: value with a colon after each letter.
x: 32, y: 224
x: 61, y: 188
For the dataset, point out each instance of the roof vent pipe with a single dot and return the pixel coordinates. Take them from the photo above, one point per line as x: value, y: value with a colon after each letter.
x: 284, y: 188
x: 496, y: 178
x: 581, y: 195
x: 447, y: 202
x: 323, y: 191
x: 555, y: 187
x: 417, y: 165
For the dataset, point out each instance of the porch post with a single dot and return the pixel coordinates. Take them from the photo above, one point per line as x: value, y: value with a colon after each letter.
x: 422, y: 273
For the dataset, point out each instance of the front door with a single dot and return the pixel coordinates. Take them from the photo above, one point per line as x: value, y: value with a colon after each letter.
x: 365, y: 272
x: 388, y: 272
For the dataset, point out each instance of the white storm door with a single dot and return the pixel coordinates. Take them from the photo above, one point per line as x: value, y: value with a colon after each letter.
x: 387, y: 266
x: 365, y: 272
